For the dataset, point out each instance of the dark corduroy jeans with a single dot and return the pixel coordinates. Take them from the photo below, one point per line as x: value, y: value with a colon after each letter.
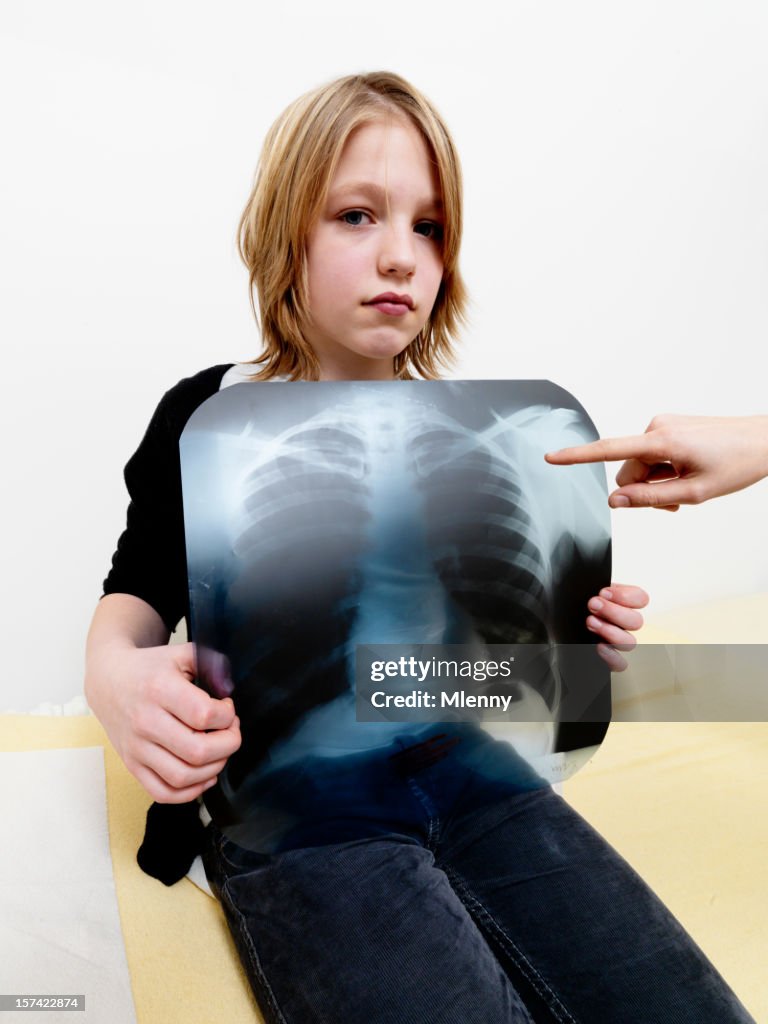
x: 456, y: 889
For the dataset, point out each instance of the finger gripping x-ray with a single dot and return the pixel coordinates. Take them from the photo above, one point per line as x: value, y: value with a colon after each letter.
x: 328, y: 519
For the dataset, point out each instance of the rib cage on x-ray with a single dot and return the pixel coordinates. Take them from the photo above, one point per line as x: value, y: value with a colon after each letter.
x: 302, y: 527
x: 376, y: 518
x: 487, y: 547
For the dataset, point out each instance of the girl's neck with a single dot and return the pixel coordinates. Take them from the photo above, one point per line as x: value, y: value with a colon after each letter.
x: 360, y: 368
x: 356, y: 376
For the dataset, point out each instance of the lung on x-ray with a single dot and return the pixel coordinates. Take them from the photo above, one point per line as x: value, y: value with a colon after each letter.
x: 326, y: 519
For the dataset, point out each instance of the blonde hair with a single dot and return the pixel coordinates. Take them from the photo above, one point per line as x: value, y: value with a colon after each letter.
x: 296, y: 166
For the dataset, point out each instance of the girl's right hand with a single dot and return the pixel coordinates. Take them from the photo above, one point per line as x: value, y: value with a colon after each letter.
x: 173, y: 737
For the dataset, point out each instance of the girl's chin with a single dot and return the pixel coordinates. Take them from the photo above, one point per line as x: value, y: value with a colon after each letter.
x: 383, y: 348
x: 373, y: 352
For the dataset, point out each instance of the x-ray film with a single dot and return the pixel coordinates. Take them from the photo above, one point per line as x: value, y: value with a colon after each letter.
x: 396, y: 583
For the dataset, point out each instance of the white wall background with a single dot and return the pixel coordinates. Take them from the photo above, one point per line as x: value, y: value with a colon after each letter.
x: 616, y: 160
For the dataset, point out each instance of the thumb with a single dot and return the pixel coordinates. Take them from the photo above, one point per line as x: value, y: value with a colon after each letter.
x: 216, y: 673
x: 665, y: 494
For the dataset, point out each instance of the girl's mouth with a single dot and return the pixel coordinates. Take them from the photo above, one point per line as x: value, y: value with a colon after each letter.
x: 391, y: 308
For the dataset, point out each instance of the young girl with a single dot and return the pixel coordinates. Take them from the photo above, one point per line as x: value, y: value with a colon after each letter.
x: 453, y: 910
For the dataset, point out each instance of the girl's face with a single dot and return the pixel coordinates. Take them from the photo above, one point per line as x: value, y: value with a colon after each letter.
x: 380, y: 231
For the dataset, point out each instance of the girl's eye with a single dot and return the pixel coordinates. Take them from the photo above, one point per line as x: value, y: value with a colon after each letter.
x: 436, y: 229
x: 353, y: 213
x: 433, y: 229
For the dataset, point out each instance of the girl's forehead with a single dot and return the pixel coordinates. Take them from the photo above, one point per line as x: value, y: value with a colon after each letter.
x: 383, y: 138
x: 386, y: 154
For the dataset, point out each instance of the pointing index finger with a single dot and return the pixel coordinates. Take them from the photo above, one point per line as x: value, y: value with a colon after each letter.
x: 609, y: 449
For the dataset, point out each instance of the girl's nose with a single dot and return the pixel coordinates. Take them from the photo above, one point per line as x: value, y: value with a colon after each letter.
x: 398, y: 251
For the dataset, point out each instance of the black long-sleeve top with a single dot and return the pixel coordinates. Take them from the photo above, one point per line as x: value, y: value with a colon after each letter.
x: 150, y: 559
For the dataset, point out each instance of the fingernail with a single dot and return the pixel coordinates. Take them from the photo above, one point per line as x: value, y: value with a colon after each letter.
x: 611, y: 657
x: 595, y: 604
x: 208, y: 785
x: 607, y: 594
x: 618, y: 501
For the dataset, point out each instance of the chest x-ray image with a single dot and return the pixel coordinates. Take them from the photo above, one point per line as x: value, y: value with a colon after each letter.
x: 356, y: 550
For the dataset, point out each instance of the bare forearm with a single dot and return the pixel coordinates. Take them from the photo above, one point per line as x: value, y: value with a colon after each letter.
x: 120, y: 622
x: 125, y: 619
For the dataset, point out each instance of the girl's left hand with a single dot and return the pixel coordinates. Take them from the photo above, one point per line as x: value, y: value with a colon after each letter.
x: 614, y: 612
